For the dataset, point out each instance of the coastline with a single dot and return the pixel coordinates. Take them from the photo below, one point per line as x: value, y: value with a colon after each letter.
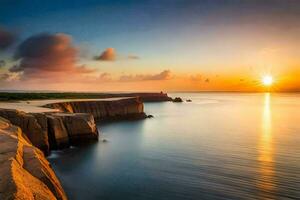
x: 56, y: 125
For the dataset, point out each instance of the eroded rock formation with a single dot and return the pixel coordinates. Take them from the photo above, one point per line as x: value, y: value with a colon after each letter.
x: 33, y: 125
x: 80, y: 127
x: 24, y: 171
x: 104, y: 110
x: 53, y: 130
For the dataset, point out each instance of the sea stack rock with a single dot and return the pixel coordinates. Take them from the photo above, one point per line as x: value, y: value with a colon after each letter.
x: 24, y: 171
x: 177, y: 100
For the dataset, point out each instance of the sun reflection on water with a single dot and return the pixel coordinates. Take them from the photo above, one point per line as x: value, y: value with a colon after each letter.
x: 266, y: 181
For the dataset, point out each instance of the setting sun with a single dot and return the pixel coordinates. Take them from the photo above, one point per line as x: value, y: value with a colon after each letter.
x: 267, y: 80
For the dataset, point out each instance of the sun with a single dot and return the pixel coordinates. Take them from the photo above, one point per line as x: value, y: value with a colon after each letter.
x: 267, y: 80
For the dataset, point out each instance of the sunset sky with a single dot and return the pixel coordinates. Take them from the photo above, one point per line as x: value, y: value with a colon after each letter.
x: 150, y: 45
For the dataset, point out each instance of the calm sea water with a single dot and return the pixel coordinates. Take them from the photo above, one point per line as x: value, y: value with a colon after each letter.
x: 220, y: 146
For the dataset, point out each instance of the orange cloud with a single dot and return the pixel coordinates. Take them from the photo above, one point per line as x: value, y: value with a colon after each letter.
x: 108, y: 55
x: 105, y: 77
x: 164, y: 75
x: 48, y: 56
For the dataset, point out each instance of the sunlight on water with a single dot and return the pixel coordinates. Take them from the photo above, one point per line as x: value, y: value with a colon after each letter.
x: 266, y: 168
x: 219, y: 146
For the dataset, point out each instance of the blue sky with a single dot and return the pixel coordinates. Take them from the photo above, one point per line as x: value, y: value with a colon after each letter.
x: 184, y: 36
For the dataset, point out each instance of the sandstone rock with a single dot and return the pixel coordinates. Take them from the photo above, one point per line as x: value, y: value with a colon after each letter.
x: 25, y: 174
x: 33, y: 125
x: 127, y: 108
x: 57, y: 132
x: 80, y: 126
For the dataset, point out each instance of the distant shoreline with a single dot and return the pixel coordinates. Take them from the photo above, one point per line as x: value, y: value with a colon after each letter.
x: 26, y: 96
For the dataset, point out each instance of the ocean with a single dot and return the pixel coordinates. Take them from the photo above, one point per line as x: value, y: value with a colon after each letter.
x: 219, y: 146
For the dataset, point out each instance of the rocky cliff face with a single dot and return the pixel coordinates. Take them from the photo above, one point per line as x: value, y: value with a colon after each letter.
x: 33, y: 125
x: 75, y: 123
x: 48, y: 131
x: 24, y: 171
x: 104, y: 110
x: 80, y: 127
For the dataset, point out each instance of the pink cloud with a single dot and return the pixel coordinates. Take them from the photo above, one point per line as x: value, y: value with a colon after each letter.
x: 48, y: 56
x: 164, y: 75
x: 108, y: 55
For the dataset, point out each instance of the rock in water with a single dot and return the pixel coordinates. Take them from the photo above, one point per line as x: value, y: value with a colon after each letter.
x: 81, y: 127
x: 177, y: 100
x: 57, y: 133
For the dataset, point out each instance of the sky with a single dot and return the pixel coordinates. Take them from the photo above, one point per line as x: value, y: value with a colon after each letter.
x: 150, y: 45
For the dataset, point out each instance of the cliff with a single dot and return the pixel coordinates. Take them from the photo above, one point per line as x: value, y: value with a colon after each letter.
x: 105, y: 110
x: 33, y: 125
x: 48, y: 131
x: 144, y: 96
x: 24, y: 171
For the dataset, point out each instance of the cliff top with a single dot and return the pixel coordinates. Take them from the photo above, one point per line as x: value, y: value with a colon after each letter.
x: 36, y: 106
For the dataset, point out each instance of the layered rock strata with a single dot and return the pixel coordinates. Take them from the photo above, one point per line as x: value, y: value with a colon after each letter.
x: 53, y: 130
x: 33, y: 125
x: 24, y: 171
x: 103, y: 110
x: 80, y: 128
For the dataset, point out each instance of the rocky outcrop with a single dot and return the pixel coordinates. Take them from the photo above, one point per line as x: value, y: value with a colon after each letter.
x: 33, y: 125
x: 53, y: 130
x: 177, y: 100
x: 80, y: 127
x: 75, y: 123
x: 24, y: 171
x: 105, y: 110
x: 57, y: 132
x: 151, y: 97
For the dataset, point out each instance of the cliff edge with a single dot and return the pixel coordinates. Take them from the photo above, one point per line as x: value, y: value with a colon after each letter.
x: 104, y: 110
x: 24, y: 171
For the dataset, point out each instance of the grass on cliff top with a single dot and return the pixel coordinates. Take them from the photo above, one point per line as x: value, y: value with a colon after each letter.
x: 7, y: 96
x: 23, y: 96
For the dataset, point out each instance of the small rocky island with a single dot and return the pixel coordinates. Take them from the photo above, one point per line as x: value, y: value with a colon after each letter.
x: 27, y: 137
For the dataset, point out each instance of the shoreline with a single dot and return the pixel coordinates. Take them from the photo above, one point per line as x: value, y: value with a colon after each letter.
x: 58, y: 124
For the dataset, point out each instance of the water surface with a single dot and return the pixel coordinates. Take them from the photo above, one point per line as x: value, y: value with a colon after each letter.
x: 219, y: 146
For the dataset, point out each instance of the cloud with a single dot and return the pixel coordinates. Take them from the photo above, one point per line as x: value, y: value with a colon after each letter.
x: 108, y: 55
x: 6, y: 38
x: 48, y: 56
x: 133, y: 57
x: 196, y: 77
x: 105, y: 77
x: 9, y: 77
x: 2, y: 63
x: 164, y: 75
